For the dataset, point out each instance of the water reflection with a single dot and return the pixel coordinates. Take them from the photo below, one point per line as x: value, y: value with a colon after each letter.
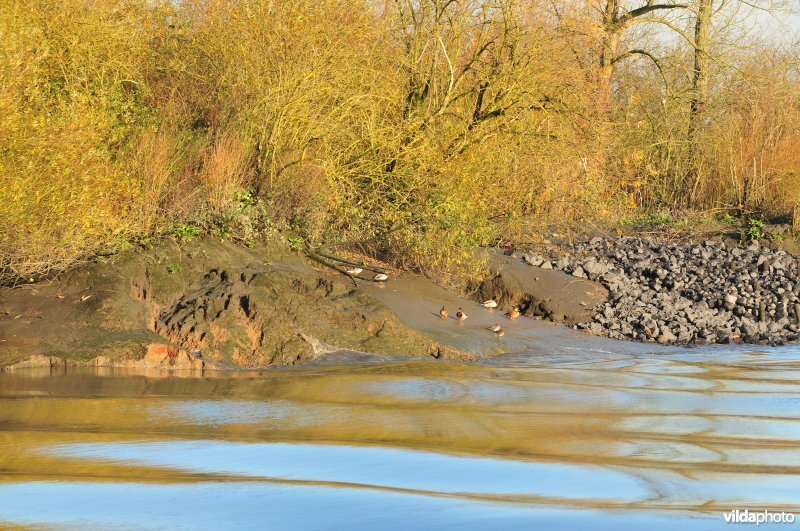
x: 375, y: 467
x: 226, y: 412
x: 589, y: 439
x: 256, y: 505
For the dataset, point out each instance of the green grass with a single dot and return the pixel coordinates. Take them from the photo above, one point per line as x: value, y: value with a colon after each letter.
x: 649, y: 221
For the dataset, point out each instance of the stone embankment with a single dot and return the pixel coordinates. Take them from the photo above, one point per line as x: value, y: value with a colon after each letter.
x: 683, y: 293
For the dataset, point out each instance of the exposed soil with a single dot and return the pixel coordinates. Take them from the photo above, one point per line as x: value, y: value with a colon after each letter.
x: 199, y: 305
x: 207, y: 304
x: 540, y: 292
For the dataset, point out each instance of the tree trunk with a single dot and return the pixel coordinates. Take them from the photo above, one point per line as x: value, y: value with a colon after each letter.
x: 700, y: 80
x: 611, y: 38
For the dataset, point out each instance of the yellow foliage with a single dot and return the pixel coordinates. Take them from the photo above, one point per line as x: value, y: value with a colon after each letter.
x: 418, y: 129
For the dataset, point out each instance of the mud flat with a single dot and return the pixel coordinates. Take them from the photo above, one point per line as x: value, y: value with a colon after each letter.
x: 200, y: 305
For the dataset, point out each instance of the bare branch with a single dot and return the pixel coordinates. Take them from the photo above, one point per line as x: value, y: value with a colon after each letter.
x: 644, y: 10
x: 667, y: 23
x: 653, y: 58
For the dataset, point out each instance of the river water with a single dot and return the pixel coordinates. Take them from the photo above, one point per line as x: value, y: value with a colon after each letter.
x: 581, y: 440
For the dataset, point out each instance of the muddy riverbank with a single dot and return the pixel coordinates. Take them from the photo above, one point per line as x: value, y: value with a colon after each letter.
x: 200, y: 305
x: 210, y: 305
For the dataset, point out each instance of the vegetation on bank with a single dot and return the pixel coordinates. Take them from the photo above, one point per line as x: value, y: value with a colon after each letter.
x: 417, y: 129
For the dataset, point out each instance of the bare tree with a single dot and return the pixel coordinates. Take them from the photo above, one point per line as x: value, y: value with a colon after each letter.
x: 616, y: 19
x: 705, y: 11
x: 700, y: 76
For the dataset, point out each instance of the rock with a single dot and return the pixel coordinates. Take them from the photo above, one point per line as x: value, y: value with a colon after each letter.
x: 532, y: 260
x: 667, y: 336
x: 748, y: 330
x: 594, y: 269
x: 694, y: 292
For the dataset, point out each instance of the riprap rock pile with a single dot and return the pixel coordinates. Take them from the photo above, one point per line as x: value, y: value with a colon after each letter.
x: 686, y: 293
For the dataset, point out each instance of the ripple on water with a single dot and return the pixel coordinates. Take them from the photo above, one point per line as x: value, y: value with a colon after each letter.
x: 374, y: 466
x: 487, y: 393
x: 717, y: 426
x: 227, y: 412
x: 694, y: 430
x: 258, y: 505
x: 416, y: 389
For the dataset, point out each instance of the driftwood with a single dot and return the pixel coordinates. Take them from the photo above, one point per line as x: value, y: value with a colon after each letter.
x: 313, y: 256
x: 335, y: 262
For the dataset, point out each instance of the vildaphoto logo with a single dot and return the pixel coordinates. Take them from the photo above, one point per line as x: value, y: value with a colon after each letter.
x: 746, y: 516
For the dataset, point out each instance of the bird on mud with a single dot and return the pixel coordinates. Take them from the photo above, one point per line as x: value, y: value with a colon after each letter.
x: 495, y: 328
x: 513, y: 313
x: 499, y: 333
x: 443, y: 313
x: 355, y: 270
x: 491, y: 303
x: 381, y: 277
x: 460, y: 315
